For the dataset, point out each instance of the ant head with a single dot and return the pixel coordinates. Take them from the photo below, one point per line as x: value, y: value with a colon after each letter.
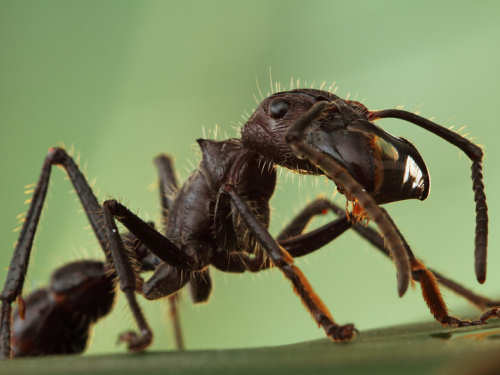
x: 388, y: 167
x: 265, y: 130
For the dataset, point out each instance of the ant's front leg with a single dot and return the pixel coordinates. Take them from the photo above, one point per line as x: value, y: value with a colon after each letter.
x: 427, y: 278
x: 168, y: 187
x: 423, y: 277
x: 291, y: 238
x: 475, y: 154
x: 284, y: 261
x: 200, y: 283
x: 307, y: 243
x: 295, y: 138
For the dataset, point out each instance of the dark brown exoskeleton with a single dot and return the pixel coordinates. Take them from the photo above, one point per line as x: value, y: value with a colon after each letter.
x: 57, y: 319
x: 220, y: 215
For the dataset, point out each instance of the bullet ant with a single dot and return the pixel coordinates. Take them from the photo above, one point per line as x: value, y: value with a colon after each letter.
x: 220, y: 215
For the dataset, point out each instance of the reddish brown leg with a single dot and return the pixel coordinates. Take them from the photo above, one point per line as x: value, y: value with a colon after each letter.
x: 338, y: 174
x: 291, y: 238
x: 433, y: 298
x: 427, y: 278
x: 284, y: 261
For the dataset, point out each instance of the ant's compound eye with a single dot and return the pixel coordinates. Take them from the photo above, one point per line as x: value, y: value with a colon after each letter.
x: 278, y: 108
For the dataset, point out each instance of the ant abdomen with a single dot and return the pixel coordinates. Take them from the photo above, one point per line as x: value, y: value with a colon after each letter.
x: 58, y: 318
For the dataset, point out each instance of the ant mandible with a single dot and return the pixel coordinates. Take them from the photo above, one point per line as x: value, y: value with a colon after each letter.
x: 220, y: 215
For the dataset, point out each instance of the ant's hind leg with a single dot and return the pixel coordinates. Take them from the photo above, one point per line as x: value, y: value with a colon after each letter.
x: 19, y: 264
x: 20, y: 259
x: 200, y: 286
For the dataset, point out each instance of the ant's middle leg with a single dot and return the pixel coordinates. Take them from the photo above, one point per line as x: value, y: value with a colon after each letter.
x: 169, y: 277
x: 200, y: 284
x: 179, y: 267
x: 168, y: 187
x: 284, y: 261
x: 291, y: 238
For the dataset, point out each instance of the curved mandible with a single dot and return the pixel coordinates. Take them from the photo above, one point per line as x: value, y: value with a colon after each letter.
x: 337, y: 173
x: 475, y: 154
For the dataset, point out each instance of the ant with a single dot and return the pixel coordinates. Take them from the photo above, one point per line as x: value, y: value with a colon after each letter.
x: 220, y: 215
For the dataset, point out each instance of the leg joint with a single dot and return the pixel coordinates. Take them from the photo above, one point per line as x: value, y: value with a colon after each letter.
x: 114, y: 207
x: 56, y: 155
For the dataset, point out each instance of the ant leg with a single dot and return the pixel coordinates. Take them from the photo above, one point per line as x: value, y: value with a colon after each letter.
x: 475, y: 154
x: 427, y: 278
x: 200, y: 286
x: 377, y: 241
x: 309, y: 242
x: 167, y: 280
x: 20, y: 259
x: 18, y: 267
x: 297, y: 246
x: 168, y: 187
x: 338, y: 174
x: 491, y: 313
x: 5, y: 321
x: 174, y: 315
x: 158, y: 244
x: 284, y: 261
x: 319, y: 206
x: 127, y: 278
x: 430, y: 289
x: 291, y: 238
x: 154, y: 241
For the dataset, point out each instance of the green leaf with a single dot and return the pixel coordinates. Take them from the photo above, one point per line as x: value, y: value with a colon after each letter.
x: 408, y: 349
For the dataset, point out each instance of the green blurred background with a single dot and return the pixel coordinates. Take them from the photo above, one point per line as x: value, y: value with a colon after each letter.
x: 124, y: 80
